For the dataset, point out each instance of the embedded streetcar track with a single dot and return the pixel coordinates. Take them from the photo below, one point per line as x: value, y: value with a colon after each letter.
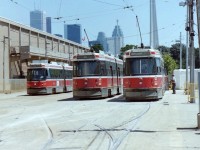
x: 50, y: 132
x: 98, y: 139
x: 114, y: 142
x: 133, y: 122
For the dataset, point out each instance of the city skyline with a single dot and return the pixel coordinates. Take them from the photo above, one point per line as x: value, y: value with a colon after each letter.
x: 112, y: 44
x: 96, y: 16
x: 38, y: 20
x: 72, y: 32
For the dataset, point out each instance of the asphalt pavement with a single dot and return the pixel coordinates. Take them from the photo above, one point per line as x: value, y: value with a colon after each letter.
x: 173, y: 125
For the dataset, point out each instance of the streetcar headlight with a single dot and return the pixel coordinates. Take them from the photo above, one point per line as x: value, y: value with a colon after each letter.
x: 100, y: 81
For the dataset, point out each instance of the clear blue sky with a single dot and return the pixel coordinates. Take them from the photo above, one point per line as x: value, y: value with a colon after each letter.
x: 101, y: 15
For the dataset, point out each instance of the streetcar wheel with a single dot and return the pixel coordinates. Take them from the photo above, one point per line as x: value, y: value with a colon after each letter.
x: 64, y: 90
x: 118, y: 91
x: 53, y: 91
x: 109, y: 93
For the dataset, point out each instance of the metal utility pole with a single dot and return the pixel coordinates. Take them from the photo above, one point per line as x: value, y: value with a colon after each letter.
x: 198, y: 26
x: 191, y: 46
x: 198, y: 23
x: 186, y: 28
x: 186, y: 3
x: 180, y: 52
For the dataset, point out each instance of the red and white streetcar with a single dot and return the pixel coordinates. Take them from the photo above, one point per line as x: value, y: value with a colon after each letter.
x: 144, y: 74
x: 45, y: 77
x: 96, y: 75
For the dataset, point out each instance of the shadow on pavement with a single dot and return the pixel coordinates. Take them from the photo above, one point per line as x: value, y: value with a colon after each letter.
x: 81, y: 99
x: 188, y: 128
x: 122, y: 99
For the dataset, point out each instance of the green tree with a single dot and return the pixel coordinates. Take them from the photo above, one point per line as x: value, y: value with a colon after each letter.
x: 175, y: 53
x: 127, y: 47
x: 169, y: 63
x: 123, y: 49
x: 97, y: 47
x: 164, y: 49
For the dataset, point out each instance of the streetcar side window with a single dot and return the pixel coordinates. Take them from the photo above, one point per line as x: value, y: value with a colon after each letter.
x: 108, y: 68
x: 55, y: 73
x: 68, y: 74
x: 159, y: 67
x: 103, y: 71
x: 47, y: 74
x: 118, y: 71
x: 111, y: 71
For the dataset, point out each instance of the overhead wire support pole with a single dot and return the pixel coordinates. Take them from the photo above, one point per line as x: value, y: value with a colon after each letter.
x: 191, y: 45
x: 198, y: 26
x: 186, y: 28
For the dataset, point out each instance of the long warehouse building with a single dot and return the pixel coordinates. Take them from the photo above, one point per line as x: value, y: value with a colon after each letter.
x: 21, y: 44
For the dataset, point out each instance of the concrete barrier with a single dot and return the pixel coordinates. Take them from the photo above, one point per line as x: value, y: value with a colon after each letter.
x: 12, y: 85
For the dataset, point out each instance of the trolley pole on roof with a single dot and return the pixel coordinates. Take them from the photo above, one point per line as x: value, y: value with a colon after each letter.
x: 142, y: 45
x: 87, y: 38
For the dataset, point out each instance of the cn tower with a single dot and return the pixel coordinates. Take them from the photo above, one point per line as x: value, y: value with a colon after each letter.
x: 154, y: 43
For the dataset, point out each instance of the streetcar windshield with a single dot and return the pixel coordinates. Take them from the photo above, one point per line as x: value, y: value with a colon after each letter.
x: 36, y: 74
x: 140, y: 66
x: 86, y: 68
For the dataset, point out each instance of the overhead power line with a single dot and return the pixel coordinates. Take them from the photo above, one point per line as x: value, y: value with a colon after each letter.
x: 15, y: 2
x: 108, y: 3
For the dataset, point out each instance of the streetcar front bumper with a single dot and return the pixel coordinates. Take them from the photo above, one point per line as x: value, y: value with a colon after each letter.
x: 142, y: 94
x: 32, y: 91
x: 87, y: 93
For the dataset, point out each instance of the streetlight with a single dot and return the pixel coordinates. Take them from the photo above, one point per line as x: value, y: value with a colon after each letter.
x: 180, y: 51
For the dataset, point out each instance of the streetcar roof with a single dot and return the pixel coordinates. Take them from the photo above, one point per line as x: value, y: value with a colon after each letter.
x: 139, y: 52
x: 46, y: 64
x: 91, y: 56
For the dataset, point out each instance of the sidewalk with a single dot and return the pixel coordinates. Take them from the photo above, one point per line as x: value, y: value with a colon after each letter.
x: 181, y: 102
x: 11, y: 95
x: 183, y: 120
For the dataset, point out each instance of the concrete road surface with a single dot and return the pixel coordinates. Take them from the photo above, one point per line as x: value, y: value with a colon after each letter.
x: 49, y: 122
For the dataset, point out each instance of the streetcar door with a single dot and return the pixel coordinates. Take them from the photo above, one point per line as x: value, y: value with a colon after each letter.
x: 111, y: 72
x: 118, y: 73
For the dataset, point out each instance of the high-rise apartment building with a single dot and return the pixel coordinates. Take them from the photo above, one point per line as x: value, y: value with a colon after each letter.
x: 38, y: 20
x: 72, y: 32
x: 48, y: 24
